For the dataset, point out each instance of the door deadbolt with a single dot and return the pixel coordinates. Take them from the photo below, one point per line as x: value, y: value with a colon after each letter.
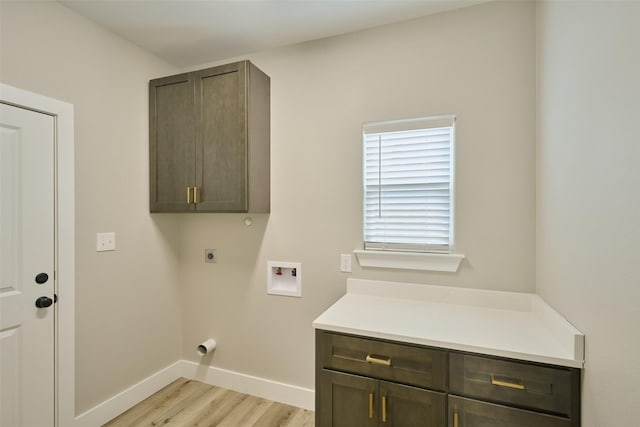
x: 42, y: 278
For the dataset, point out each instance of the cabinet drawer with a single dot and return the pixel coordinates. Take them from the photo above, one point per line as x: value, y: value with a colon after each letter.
x: 519, y: 383
x: 472, y: 413
x: 401, y: 363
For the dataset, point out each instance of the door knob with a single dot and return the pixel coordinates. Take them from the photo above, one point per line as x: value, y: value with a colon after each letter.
x: 44, y: 302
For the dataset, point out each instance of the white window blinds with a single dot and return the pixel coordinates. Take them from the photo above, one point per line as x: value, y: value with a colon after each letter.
x: 408, y: 184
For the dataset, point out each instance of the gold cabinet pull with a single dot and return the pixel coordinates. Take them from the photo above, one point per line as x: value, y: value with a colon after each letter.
x: 455, y: 418
x: 370, y: 405
x: 195, y: 195
x: 378, y: 360
x: 188, y: 195
x: 501, y: 383
x: 384, y: 409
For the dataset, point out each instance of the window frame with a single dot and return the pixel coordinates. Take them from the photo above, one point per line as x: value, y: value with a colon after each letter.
x: 402, y: 125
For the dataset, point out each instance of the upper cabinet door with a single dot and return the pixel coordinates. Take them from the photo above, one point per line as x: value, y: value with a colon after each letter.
x: 171, y: 143
x: 221, y: 138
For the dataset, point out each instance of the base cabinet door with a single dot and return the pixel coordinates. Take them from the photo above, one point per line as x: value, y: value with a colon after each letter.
x: 474, y: 413
x: 405, y: 406
x: 348, y: 400
x: 354, y: 401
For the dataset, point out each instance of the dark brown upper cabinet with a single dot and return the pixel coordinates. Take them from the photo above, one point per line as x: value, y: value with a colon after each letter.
x: 209, y: 140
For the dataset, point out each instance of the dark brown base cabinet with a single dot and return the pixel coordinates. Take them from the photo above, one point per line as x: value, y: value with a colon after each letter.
x: 366, y: 382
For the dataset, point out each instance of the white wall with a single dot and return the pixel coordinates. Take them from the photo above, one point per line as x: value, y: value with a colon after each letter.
x: 127, y: 314
x: 478, y: 63
x: 588, y: 180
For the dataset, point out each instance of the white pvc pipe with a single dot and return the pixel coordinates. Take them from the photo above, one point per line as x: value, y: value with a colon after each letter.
x: 206, y: 347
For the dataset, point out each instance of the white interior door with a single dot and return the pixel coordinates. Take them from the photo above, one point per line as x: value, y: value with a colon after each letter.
x: 26, y: 255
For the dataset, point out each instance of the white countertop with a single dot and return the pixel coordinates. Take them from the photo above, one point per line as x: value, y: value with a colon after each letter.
x: 508, y: 324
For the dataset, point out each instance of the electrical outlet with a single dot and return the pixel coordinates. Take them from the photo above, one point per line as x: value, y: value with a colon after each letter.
x: 105, y: 242
x: 210, y: 256
x: 345, y: 263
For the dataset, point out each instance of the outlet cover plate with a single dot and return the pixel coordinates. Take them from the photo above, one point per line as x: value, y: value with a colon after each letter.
x: 105, y: 242
x: 345, y: 263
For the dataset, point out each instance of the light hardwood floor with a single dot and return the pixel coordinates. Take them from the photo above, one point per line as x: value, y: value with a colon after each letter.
x: 191, y: 403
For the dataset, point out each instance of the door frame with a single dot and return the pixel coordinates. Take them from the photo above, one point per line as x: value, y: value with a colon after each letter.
x: 62, y: 112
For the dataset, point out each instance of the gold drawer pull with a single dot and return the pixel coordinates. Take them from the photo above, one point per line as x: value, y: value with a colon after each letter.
x: 188, y: 195
x: 455, y: 418
x: 500, y: 383
x: 195, y: 195
x: 384, y: 409
x: 371, y: 405
x: 379, y: 360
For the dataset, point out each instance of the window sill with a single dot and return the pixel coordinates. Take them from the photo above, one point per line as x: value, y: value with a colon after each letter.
x: 409, y: 260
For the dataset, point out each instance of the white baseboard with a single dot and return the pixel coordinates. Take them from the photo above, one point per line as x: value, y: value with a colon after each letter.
x: 260, y: 387
x: 114, y: 406
x: 248, y: 384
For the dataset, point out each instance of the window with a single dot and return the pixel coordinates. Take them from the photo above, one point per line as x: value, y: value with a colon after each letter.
x: 408, y: 185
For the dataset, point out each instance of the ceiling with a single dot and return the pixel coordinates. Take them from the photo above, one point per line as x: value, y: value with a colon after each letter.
x: 189, y: 32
